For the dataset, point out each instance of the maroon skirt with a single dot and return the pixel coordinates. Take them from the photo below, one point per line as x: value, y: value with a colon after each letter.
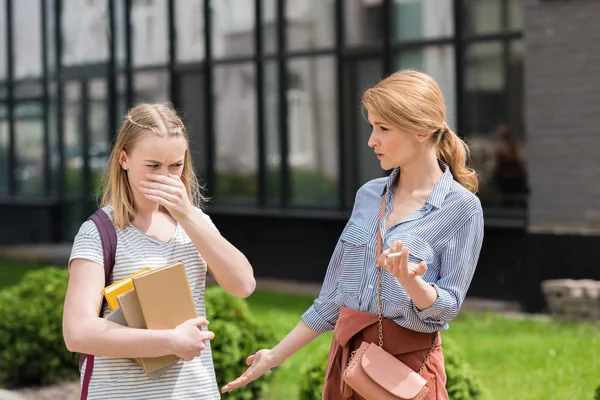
x: 410, y: 347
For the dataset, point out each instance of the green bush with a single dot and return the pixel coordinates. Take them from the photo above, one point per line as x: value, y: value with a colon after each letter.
x: 461, y: 384
x: 597, y: 393
x: 237, y: 335
x: 32, y: 349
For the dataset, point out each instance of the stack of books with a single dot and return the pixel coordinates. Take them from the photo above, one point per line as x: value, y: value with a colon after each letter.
x: 152, y: 299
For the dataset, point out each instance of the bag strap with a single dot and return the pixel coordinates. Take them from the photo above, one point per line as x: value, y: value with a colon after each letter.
x: 108, y: 238
x: 379, y: 273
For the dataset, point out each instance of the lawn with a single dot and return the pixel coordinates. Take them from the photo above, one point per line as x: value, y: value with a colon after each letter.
x: 514, y: 358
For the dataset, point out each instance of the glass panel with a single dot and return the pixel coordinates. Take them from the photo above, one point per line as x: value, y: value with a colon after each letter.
x: 312, y: 131
x: 234, y: 98
x: 50, y: 35
x: 85, y: 33
x: 27, y: 40
x: 191, y: 100
x: 149, y: 30
x: 151, y: 87
x: 99, y: 135
x: 3, y: 150
x: 271, y: 123
x: 358, y: 76
x: 121, y: 39
x: 53, y: 138
x: 73, y: 150
x: 121, y: 98
x: 494, y: 125
x: 29, y: 148
x: 233, y: 28
x: 515, y: 14
x: 482, y: 16
x: 438, y: 62
x: 418, y: 19
x: 269, y: 26
x: 3, y: 43
x: 28, y: 90
x: 189, y: 17
x: 363, y: 22
x: 310, y: 24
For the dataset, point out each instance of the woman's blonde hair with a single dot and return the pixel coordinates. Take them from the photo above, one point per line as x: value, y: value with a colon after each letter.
x: 413, y: 101
x: 144, y: 119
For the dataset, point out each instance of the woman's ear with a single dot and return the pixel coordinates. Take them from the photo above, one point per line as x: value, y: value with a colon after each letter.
x: 123, y: 160
x: 421, y: 137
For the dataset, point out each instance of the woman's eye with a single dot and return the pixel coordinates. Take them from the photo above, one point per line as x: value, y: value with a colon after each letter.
x: 177, y: 165
x: 384, y: 129
x: 152, y: 166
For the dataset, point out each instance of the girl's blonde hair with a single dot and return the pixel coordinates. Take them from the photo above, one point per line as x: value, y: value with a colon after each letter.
x: 413, y: 101
x: 144, y: 119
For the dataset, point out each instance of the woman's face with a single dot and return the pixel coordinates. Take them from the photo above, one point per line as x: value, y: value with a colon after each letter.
x: 153, y: 155
x: 393, y: 146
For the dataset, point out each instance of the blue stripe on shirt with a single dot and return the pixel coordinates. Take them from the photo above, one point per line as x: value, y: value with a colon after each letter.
x: 446, y: 233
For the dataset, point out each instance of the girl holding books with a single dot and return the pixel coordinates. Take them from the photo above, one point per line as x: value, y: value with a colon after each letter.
x: 426, y: 217
x: 151, y: 196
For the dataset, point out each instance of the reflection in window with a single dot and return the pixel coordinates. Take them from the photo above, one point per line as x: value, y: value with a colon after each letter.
x: 99, y: 147
x: 85, y: 33
x: 73, y: 148
x: 234, y: 99
x: 271, y: 110
x: 359, y: 76
x: 151, y: 87
x: 438, y: 62
x: 3, y: 44
x: 269, y: 25
x: 27, y: 39
x: 494, y: 126
x: 29, y: 147
x: 3, y: 150
x: 310, y: 24
x: 191, y: 101
x: 418, y: 19
x: 149, y: 26
x: 312, y: 131
x: 189, y: 24
x: 363, y: 22
x: 482, y: 16
x: 232, y: 28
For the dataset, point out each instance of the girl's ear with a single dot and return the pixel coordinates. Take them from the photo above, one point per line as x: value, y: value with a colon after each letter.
x: 123, y: 160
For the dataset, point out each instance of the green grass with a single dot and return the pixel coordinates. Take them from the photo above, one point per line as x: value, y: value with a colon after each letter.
x: 514, y: 358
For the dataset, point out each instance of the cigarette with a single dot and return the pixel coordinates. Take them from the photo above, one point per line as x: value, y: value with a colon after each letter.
x: 392, y: 255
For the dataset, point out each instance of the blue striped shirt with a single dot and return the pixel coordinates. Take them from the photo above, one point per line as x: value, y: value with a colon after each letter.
x: 446, y: 233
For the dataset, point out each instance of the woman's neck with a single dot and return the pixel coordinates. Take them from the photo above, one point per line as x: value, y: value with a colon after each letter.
x: 419, y: 177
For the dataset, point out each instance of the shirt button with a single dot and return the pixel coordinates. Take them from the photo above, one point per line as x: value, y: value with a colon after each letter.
x: 370, y: 286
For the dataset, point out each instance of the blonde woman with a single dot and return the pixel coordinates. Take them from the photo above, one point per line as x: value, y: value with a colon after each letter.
x: 151, y: 196
x: 425, y: 213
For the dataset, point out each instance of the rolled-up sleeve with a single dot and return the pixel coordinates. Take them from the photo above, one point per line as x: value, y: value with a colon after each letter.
x: 323, y: 314
x: 458, y: 261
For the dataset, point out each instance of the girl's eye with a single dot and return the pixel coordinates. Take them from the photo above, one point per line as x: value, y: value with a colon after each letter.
x: 384, y: 129
x: 152, y: 166
x: 177, y: 165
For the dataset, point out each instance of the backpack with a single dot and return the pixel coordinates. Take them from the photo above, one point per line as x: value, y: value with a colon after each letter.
x: 108, y: 238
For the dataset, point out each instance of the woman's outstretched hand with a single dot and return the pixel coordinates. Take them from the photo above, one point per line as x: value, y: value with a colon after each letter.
x: 258, y: 364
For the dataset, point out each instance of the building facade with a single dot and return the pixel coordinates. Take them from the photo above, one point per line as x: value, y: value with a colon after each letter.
x: 270, y: 91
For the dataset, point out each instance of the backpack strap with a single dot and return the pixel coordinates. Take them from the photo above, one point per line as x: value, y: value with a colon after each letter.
x: 108, y: 238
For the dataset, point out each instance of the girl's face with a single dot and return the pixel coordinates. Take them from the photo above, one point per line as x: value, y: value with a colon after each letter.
x: 393, y: 146
x: 153, y: 155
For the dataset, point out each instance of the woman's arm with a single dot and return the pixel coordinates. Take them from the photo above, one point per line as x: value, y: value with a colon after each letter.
x: 85, y: 332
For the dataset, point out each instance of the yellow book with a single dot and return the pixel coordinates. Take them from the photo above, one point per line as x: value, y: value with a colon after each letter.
x: 112, y: 291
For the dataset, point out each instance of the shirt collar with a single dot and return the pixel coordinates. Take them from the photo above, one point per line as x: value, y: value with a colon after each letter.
x: 440, y: 190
